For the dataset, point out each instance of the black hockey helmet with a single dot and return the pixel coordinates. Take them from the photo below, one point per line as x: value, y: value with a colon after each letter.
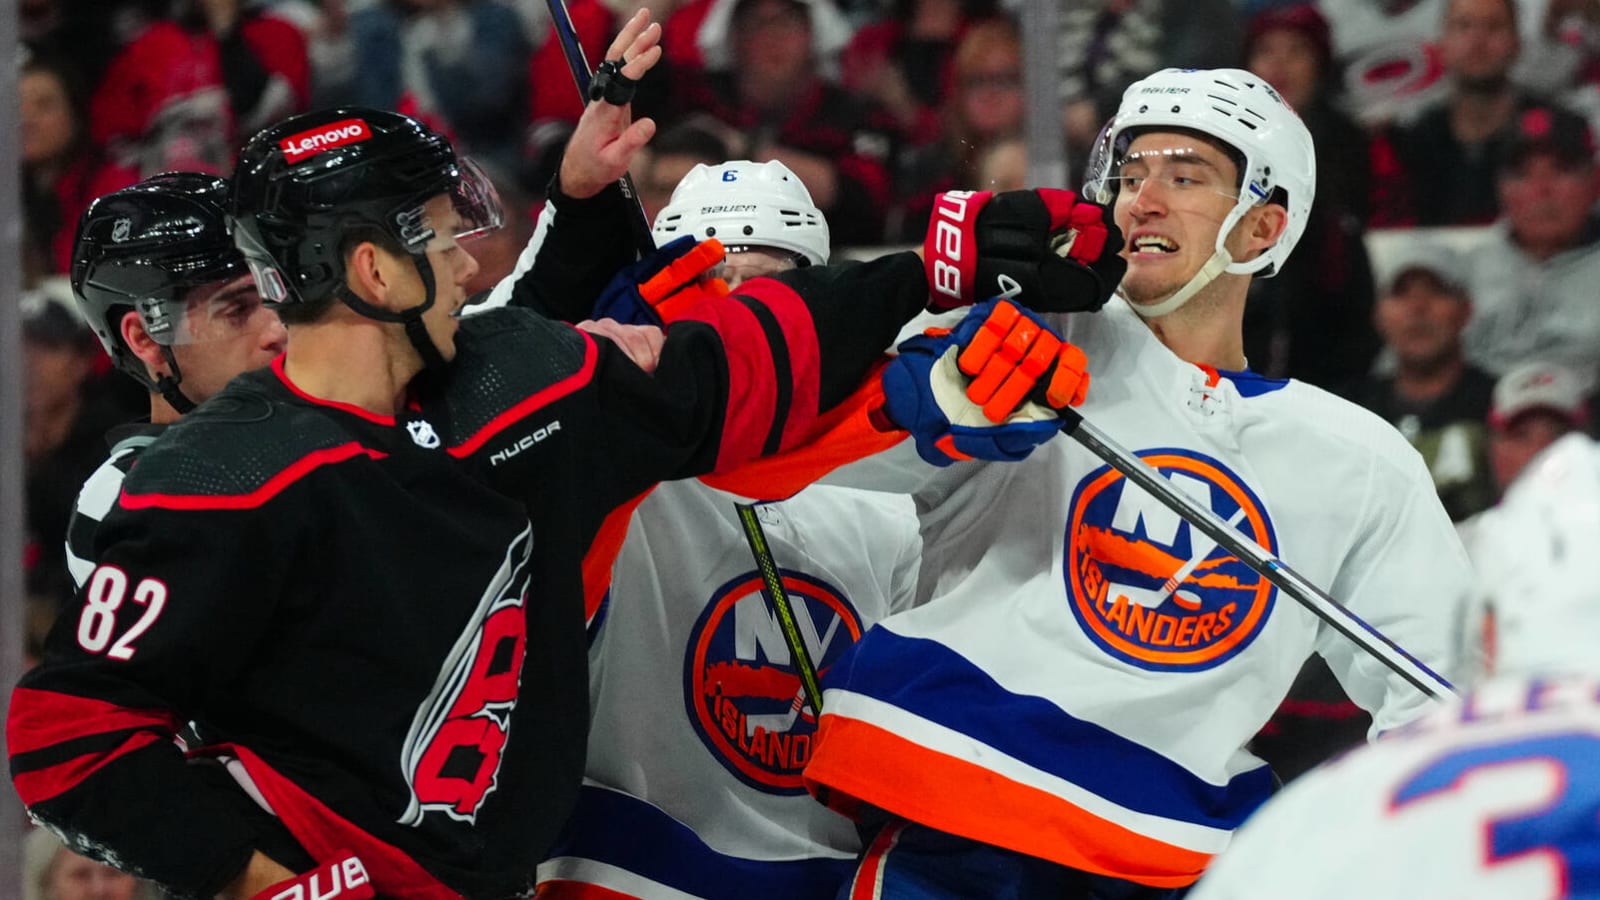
x: 301, y: 185
x: 145, y: 248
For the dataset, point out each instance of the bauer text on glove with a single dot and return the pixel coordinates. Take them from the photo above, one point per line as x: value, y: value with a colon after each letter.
x: 1045, y: 248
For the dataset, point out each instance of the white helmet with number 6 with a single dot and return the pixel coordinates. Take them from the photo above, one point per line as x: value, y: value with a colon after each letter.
x: 1237, y: 108
x: 744, y: 205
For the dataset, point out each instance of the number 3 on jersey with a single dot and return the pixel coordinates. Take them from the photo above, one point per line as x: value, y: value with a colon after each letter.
x: 1560, y: 824
x: 102, y: 597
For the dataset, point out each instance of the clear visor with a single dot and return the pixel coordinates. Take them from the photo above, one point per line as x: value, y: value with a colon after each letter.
x: 213, y: 312
x: 1112, y: 169
x: 476, y: 203
x: 270, y: 283
x: 470, y: 210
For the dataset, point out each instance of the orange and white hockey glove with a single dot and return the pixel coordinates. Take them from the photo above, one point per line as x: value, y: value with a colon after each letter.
x: 994, y: 388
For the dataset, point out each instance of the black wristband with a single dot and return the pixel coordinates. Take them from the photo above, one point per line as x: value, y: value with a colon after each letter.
x: 610, y: 85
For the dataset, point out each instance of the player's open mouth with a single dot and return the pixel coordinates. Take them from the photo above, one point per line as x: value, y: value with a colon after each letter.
x: 1154, y: 243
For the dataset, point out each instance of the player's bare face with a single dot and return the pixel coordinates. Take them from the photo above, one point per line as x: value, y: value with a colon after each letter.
x: 453, y: 266
x: 227, y: 331
x: 1173, y: 195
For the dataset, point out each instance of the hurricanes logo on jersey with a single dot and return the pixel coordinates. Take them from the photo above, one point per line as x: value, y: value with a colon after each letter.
x: 1149, y: 588
x: 458, y: 736
x: 741, y: 686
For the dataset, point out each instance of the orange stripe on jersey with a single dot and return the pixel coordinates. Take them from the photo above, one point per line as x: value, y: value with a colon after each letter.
x: 561, y: 889
x: 602, y: 553
x: 978, y: 803
x: 847, y: 433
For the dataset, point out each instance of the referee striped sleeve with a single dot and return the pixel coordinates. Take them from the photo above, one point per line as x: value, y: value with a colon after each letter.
x: 95, y: 500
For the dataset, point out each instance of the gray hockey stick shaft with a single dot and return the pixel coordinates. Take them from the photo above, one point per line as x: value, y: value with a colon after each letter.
x: 1256, y: 557
x: 572, y: 49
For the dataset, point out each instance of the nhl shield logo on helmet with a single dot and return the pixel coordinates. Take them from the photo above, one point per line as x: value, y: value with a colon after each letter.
x: 742, y: 688
x: 1151, y: 589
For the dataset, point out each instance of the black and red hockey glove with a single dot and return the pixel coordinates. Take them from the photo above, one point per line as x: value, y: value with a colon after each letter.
x: 1045, y: 248
x: 343, y: 879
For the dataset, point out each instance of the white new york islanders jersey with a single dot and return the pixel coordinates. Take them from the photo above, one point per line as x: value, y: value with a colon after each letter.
x: 1087, y: 668
x: 1497, y: 797
x: 700, y: 730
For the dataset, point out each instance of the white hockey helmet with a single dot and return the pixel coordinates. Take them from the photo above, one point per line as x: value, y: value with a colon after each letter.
x: 1243, y: 112
x: 1534, y: 562
x: 746, y: 204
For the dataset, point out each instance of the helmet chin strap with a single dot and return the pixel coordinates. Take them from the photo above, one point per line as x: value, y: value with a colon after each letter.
x: 167, y: 386
x: 416, y: 329
x: 1216, y: 265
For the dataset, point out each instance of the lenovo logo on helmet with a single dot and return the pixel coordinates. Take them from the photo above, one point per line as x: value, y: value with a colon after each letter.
x: 297, y: 147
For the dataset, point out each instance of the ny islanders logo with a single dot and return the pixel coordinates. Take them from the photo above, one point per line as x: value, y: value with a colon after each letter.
x: 741, y: 684
x: 1149, y: 588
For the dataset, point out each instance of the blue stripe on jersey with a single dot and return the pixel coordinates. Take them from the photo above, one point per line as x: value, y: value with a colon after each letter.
x: 624, y: 831
x: 1253, y: 384
x: 934, y: 682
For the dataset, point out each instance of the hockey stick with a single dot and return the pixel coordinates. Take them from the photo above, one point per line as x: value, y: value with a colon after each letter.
x: 772, y: 583
x: 1256, y: 557
x: 755, y: 536
x: 638, y: 222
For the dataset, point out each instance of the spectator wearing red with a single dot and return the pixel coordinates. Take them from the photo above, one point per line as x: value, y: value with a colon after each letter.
x: 985, y: 107
x: 61, y: 168
x: 180, y: 92
x: 552, y: 94
x: 1313, y: 320
x: 767, y: 61
x: 903, y: 62
x: 1439, y: 167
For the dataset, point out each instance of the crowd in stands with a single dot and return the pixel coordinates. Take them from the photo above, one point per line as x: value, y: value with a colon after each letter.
x: 1449, y: 278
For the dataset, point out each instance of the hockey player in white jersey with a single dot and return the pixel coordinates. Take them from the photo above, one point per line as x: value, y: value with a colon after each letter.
x: 158, y: 279
x: 700, y: 725
x: 1067, y: 714
x: 1497, y: 796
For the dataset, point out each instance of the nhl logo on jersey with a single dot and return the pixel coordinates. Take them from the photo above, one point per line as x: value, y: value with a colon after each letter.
x: 741, y: 687
x: 1149, y: 588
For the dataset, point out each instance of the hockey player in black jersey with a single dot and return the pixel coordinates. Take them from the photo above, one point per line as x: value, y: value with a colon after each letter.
x: 158, y: 279
x: 360, y: 571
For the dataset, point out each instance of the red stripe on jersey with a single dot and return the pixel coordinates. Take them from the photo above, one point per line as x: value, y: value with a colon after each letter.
x: 327, y: 836
x: 844, y: 434
x: 868, y: 883
x: 351, y: 408
x: 260, y: 495
x: 40, y: 785
x: 752, y: 392
x: 39, y: 719
x: 805, y: 356
x: 543, y: 397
